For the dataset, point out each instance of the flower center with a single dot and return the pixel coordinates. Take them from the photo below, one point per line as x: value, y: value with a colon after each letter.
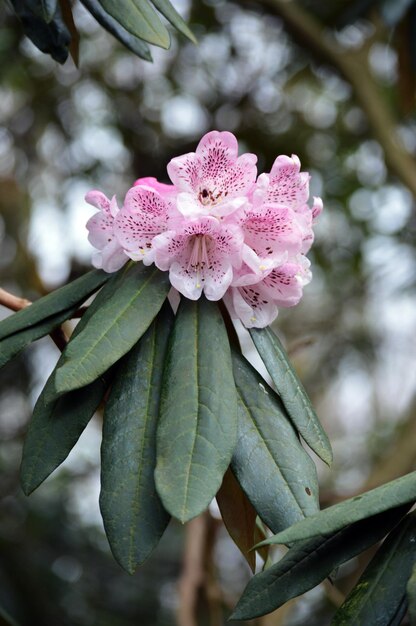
x: 206, y: 196
x: 199, y: 253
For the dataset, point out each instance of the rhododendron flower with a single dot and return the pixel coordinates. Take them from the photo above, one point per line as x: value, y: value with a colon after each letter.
x: 111, y: 255
x: 216, y: 229
x: 200, y: 255
x: 214, y: 180
x: 143, y: 216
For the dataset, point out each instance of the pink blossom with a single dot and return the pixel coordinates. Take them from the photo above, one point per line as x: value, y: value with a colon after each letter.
x: 214, y: 180
x: 143, y: 216
x: 110, y: 256
x: 200, y: 255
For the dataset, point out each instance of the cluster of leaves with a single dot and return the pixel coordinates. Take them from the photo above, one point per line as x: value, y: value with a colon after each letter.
x: 135, y: 23
x: 182, y: 409
x: 186, y: 419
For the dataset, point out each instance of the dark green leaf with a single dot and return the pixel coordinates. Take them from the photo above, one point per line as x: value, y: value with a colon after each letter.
x: 198, y: 423
x: 58, y: 301
x: 171, y: 14
x: 140, y: 19
x: 51, y: 37
x: 381, y: 589
x: 57, y: 423
x: 133, y: 515
x: 133, y: 43
x: 411, y: 596
x: 309, y: 562
x: 291, y: 390
x: 45, y: 9
x: 238, y: 516
x: 115, y: 327
x: 269, y: 461
x: 392, y: 494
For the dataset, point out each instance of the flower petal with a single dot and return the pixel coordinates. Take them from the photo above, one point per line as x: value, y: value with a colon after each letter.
x: 253, y: 308
x: 100, y: 229
x: 285, y: 184
x: 99, y: 200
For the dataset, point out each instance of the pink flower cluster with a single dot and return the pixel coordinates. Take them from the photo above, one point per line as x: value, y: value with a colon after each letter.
x: 218, y: 229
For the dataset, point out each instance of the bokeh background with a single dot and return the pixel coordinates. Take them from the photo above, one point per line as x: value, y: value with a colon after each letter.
x: 331, y: 82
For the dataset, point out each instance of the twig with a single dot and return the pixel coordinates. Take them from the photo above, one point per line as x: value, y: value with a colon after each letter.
x: 193, y: 574
x: 14, y: 303
x: 353, y: 65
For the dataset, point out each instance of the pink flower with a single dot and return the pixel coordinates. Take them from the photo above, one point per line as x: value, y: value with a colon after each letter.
x: 213, y: 180
x: 200, y: 255
x: 256, y: 302
x: 143, y: 216
x: 110, y: 256
x: 162, y: 188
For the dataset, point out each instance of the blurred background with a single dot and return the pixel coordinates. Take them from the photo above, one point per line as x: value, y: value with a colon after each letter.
x: 331, y: 82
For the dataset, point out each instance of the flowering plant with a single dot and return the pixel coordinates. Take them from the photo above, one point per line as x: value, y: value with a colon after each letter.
x: 186, y: 417
x: 216, y: 229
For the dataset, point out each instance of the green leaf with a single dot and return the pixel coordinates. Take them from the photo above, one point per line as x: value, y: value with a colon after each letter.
x: 309, y: 562
x: 171, y: 14
x: 392, y: 494
x: 238, y: 516
x: 54, y: 429
x: 73, y: 294
x: 198, y: 422
x: 140, y: 19
x: 26, y: 326
x: 45, y: 9
x: 411, y: 596
x: 51, y: 37
x: 136, y: 45
x: 133, y: 515
x: 381, y: 589
x: 269, y: 461
x: 115, y: 327
x: 292, y: 392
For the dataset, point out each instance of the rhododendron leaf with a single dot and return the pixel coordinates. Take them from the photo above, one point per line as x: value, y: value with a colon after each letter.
x: 269, y: 461
x: 55, y: 302
x: 198, y: 421
x: 411, y: 596
x: 115, y: 327
x: 309, y: 562
x: 239, y: 516
x: 330, y: 520
x: 136, y: 45
x: 55, y: 427
x: 49, y: 35
x: 133, y: 515
x: 44, y: 9
x: 381, y: 590
x: 292, y: 392
x: 171, y: 14
x: 140, y: 19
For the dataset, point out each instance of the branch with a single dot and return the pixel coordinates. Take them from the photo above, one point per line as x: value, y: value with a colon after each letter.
x: 353, y: 66
x: 193, y: 574
x: 14, y: 303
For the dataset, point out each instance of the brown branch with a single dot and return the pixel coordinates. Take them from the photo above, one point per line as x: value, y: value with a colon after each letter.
x: 193, y: 574
x: 353, y: 66
x: 14, y: 303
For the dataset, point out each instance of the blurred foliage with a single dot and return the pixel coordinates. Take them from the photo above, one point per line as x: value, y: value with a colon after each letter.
x: 65, y: 130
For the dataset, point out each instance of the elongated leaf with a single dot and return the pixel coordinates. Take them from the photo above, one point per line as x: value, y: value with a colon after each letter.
x: 140, y: 19
x: 57, y: 423
x: 291, y: 390
x: 381, y: 589
x: 45, y: 9
x: 51, y: 37
x: 411, y: 596
x: 171, y: 14
x: 55, y: 428
x: 269, y: 462
x: 198, y: 423
x: 309, y: 562
x: 58, y: 301
x: 133, y: 515
x: 239, y: 516
x: 133, y: 43
x: 115, y: 327
x: 328, y: 521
